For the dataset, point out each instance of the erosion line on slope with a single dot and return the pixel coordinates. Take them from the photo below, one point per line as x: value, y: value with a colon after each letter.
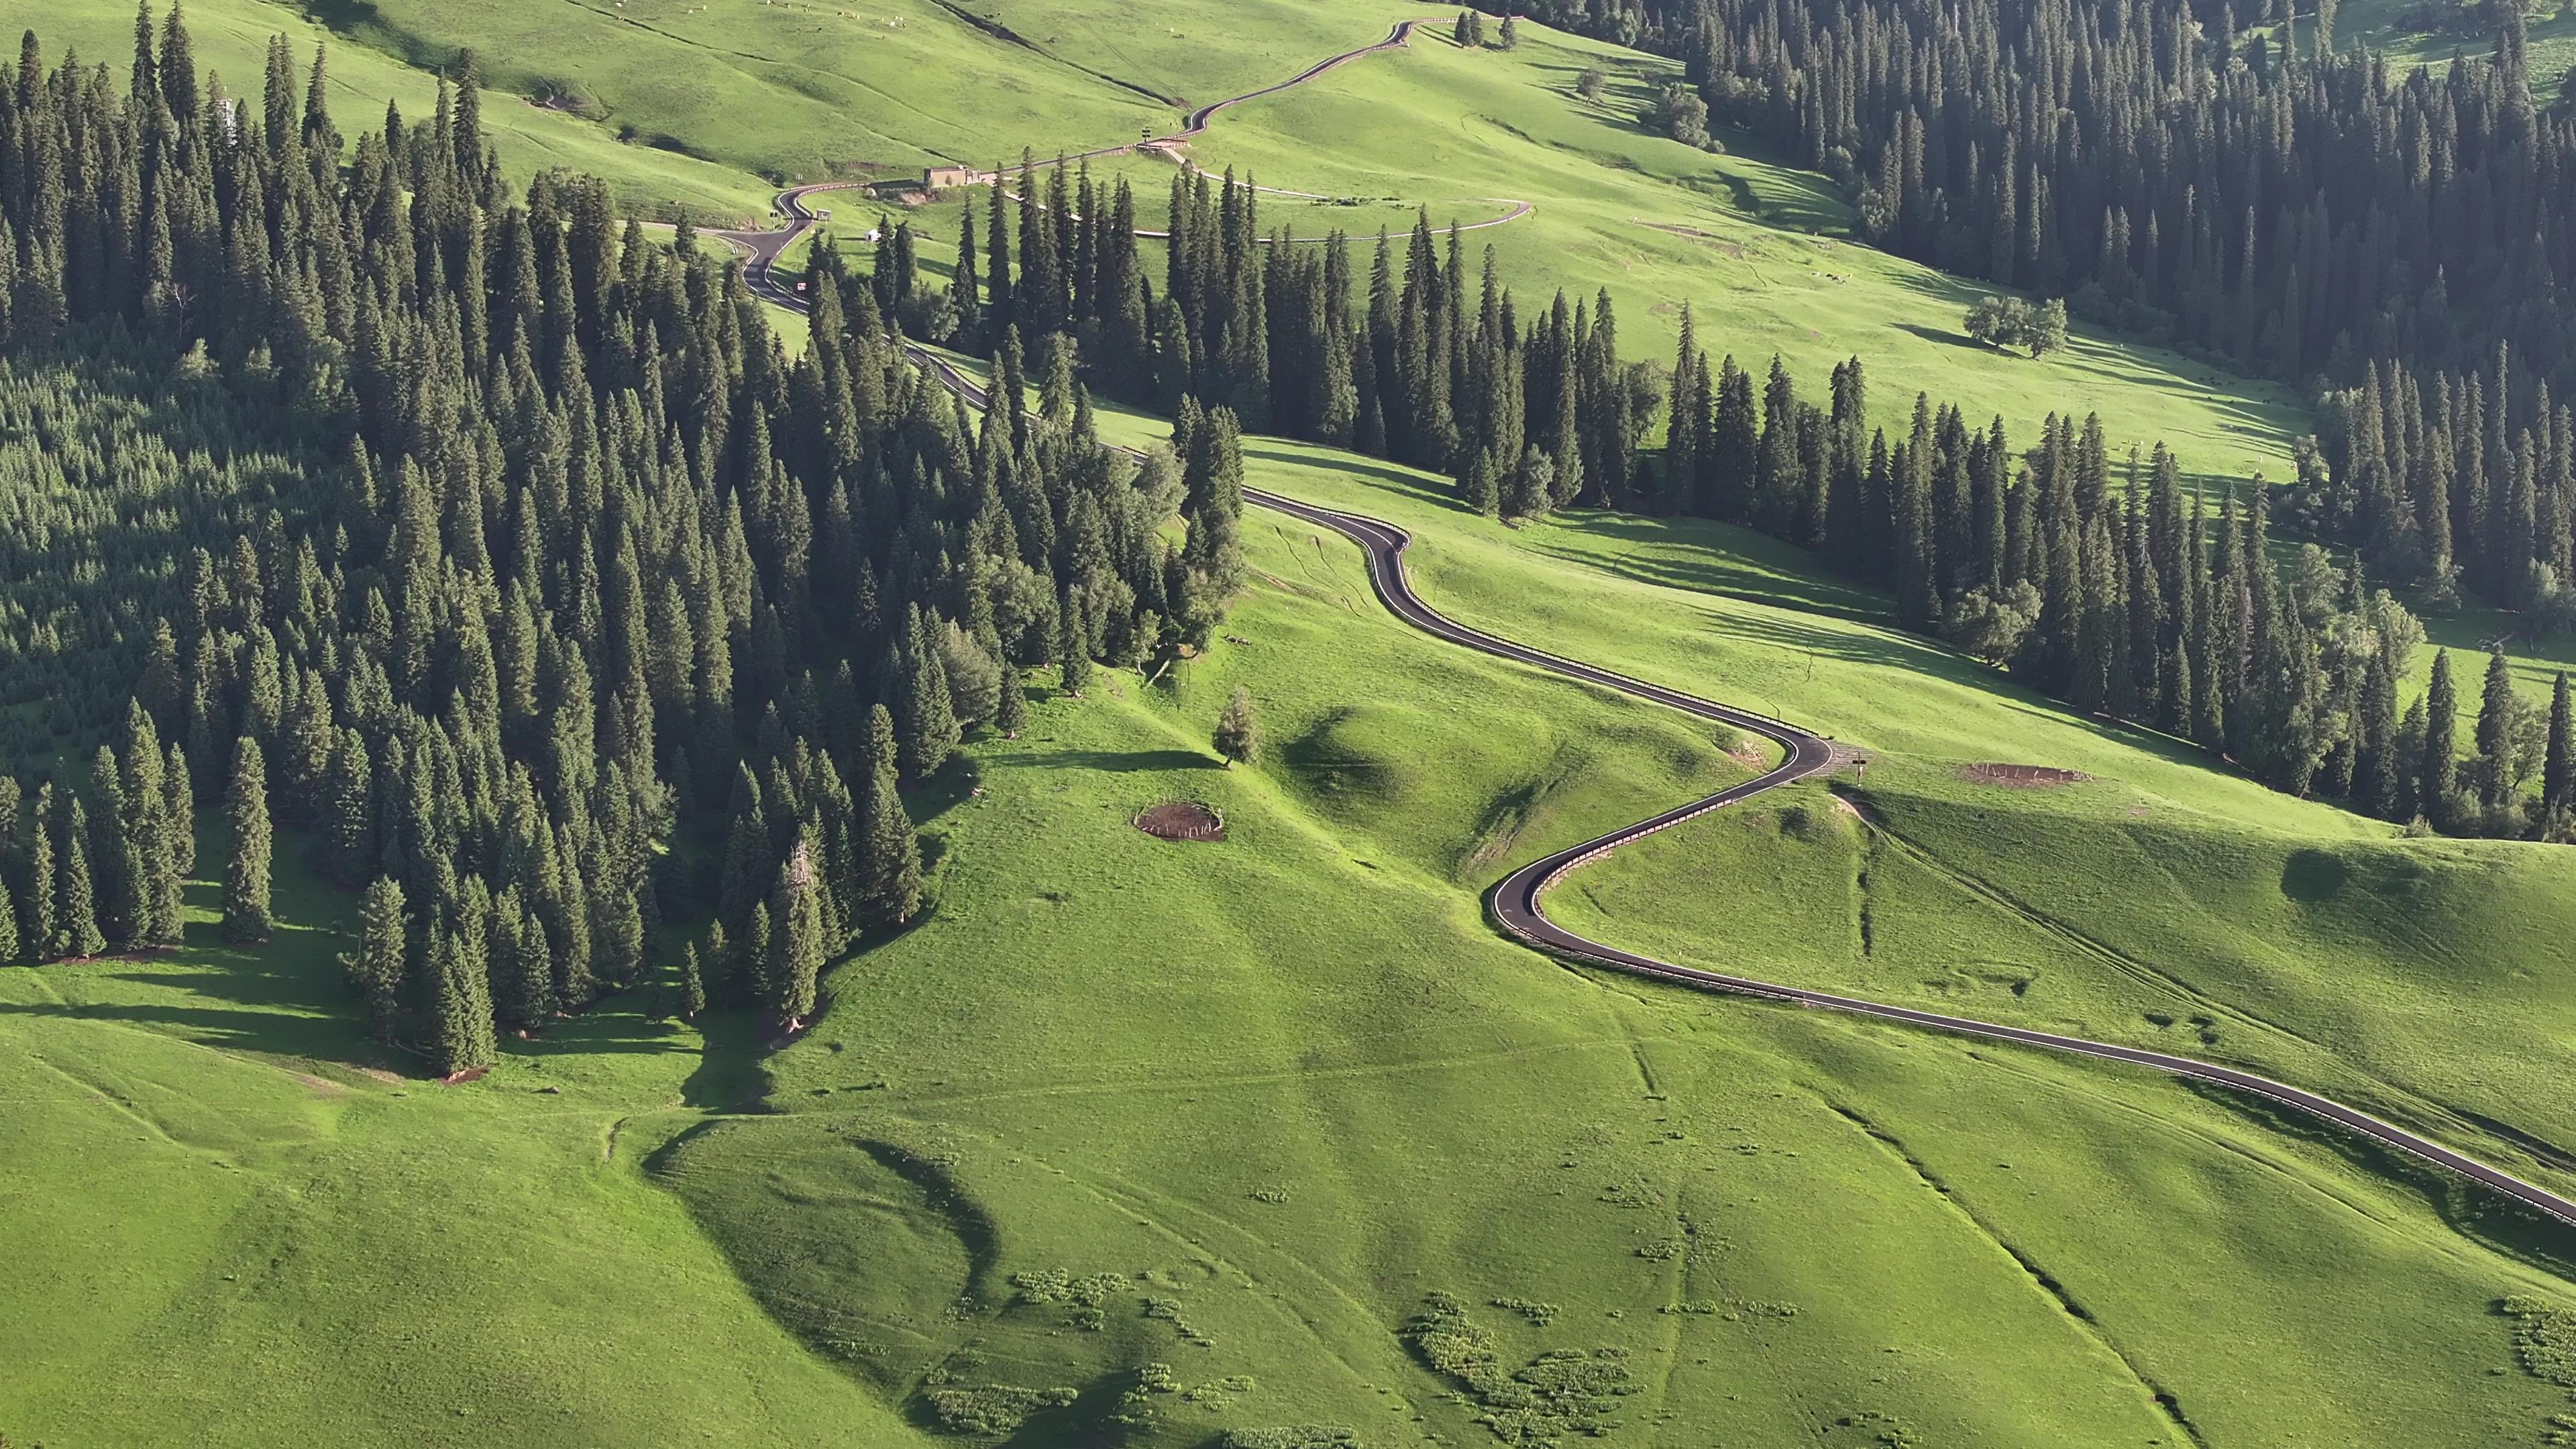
x: 2047, y: 1283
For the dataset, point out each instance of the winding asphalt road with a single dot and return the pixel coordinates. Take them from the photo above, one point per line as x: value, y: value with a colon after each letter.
x: 1516, y: 903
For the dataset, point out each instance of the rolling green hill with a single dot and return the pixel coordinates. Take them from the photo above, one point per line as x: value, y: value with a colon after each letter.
x: 1127, y: 1137
x: 1250, y: 1104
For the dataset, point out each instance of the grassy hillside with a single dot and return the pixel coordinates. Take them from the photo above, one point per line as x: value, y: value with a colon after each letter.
x: 1238, y: 1109
x: 231, y: 40
x: 1188, y: 1135
x: 2340, y: 956
x: 235, y: 1222
x: 2372, y: 24
x: 805, y: 91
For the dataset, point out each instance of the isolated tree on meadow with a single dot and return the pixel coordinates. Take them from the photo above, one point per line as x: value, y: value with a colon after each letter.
x: 1238, y: 734
x: 1510, y: 36
x: 2011, y: 322
x: 246, y: 905
x: 1589, y: 84
x: 1470, y: 30
x: 1991, y: 623
x: 1678, y: 112
x: 2047, y: 330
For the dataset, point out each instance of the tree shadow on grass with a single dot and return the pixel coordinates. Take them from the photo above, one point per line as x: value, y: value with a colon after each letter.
x: 729, y: 1075
x: 1130, y: 762
x: 1944, y: 336
x: 1412, y: 485
x: 1722, y: 560
x: 281, y: 998
x: 613, y: 1024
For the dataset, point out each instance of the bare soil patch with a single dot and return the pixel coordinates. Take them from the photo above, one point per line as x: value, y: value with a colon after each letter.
x: 1181, y: 820
x: 2024, y: 777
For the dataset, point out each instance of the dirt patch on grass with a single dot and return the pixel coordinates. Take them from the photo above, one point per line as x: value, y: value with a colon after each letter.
x: 1181, y: 820
x: 2023, y: 777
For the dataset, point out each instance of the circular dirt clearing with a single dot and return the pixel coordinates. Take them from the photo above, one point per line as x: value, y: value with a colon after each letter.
x: 1181, y: 820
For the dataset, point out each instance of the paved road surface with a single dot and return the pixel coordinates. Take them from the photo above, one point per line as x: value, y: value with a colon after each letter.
x: 1516, y: 903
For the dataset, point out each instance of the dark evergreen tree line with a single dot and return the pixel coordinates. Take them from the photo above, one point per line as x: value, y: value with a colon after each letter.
x: 2452, y: 481
x: 504, y: 555
x: 2115, y: 587
x: 2293, y: 212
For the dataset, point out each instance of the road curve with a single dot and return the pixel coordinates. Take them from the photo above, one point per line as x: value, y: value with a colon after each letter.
x: 1516, y: 902
x: 765, y: 247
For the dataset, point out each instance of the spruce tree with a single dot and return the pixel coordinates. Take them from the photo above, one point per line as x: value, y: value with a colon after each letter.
x: 9, y: 943
x: 2558, y: 768
x: 930, y: 728
x: 376, y: 968
x: 464, y: 1037
x: 179, y: 810
x: 2437, y: 770
x: 36, y: 922
x: 1073, y: 652
x: 2377, y: 763
x: 346, y: 839
x: 532, y: 977
x: 246, y: 905
x: 76, y: 931
x: 797, y: 947
x: 752, y: 978
x: 892, y: 879
x: 124, y: 883
x: 693, y: 986
x: 2499, y: 727
x: 1011, y: 710
x: 1238, y: 737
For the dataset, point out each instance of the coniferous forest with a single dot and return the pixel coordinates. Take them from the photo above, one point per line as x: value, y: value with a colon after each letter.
x: 497, y: 552
x: 2111, y: 583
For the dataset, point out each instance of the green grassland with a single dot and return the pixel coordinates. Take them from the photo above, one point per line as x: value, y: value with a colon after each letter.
x: 1282, y: 1088
x: 2418, y: 975
x: 2372, y: 25
x: 802, y: 91
x: 231, y: 40
x: 1239, y: 1109
x: 1760, y: 252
